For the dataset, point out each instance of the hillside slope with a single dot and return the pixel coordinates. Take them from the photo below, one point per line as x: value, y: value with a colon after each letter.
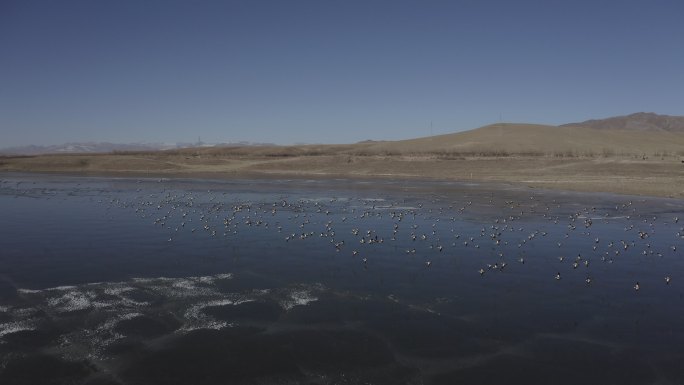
x: 532, y: 139
x: 640, y: 121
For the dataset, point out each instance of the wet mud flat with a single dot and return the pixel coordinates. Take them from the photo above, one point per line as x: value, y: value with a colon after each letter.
x: 149, y: 281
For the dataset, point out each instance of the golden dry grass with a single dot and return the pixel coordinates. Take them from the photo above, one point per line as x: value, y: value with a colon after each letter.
x: 530, y: 139
x: 572, y: 158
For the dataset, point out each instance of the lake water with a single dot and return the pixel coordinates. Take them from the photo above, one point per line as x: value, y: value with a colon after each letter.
x: 178, y: 281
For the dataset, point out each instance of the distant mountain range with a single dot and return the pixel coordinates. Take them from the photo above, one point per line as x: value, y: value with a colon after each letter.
x: 105, y: 147
x: 84, y: 147
x: 641, y: 121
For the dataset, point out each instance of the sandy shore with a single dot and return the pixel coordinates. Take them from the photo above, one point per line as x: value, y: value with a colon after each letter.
x: 662, y: 177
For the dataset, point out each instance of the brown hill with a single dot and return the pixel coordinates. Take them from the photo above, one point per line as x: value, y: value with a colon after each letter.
x: 640, y: 121
x: 569, y: 157
x: 496, y: 140
x: 532, y: 139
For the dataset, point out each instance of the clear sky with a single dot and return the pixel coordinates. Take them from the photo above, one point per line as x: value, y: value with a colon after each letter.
x: 327, y: 71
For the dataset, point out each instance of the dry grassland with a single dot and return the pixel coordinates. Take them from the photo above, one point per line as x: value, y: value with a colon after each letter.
x: 580, y: 159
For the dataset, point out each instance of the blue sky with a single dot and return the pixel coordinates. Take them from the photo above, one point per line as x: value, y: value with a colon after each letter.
x: 327, y: 71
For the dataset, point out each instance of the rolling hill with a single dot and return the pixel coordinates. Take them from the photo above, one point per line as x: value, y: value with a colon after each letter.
x: 639, y: 134
x: 627, y: 158
x: 539, y: 140
x: 640, y: 121
x: 636, y: 135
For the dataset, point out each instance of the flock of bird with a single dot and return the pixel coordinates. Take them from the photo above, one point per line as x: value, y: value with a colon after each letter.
x: 510, y: 228
x: 500, y: 231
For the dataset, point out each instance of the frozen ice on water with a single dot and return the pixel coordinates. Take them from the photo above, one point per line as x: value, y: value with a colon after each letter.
x: 18, y: 326
x: 72, y: 301
x: 196, y: 319
x: 194, y: 312
x: 297, y: 298
x: 28, y: 291
x: 184, y: 284
x: 208, y: 324
x: 182, y: 288
x: 211, y: 279
x: 62, y: 288
x: 111, y: 323
x: 117, y: 290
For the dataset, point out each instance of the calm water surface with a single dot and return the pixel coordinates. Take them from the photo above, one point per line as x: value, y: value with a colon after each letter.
x: 172, y: 281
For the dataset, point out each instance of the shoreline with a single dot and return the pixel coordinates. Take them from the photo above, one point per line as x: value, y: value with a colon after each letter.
x: 588, y: 185
x: 661, y: 177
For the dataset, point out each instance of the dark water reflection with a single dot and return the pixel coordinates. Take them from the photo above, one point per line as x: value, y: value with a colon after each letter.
x: 126, y: 281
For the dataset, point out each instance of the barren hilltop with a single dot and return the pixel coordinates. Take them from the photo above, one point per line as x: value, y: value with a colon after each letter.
x: 636, y: 154
x: 641, y: 121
